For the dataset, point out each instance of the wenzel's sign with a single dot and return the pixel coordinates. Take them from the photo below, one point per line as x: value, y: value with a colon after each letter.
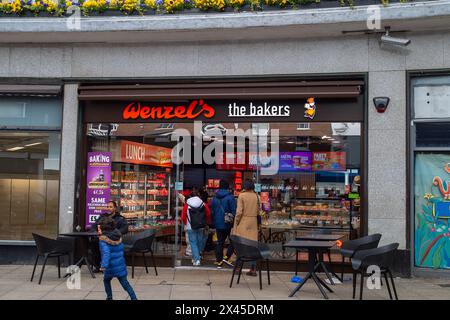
x: 225, y: 110
x: 138, y: 111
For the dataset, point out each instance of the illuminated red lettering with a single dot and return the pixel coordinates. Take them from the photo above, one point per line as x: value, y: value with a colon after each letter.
x: 195, y: 109
x: 130, y: 112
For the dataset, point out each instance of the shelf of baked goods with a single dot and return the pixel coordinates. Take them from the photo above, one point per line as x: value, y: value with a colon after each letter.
x: 141, y: 214
x: 165, y: 227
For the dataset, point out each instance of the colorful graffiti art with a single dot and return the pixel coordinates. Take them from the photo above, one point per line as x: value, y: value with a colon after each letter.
x: 432, y: 208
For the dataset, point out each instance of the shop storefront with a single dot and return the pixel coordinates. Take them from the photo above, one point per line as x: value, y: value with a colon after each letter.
x: 430, y: 166
x: 313, y: 132
x: 30, y: 142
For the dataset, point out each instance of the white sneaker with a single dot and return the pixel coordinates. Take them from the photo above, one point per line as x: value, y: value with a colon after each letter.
x: 197, y: 263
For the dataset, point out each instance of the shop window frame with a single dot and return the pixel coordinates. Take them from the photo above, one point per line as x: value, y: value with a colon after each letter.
x: 412, y: 150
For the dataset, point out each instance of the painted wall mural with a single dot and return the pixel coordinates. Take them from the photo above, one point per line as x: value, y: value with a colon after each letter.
x: 432, y: 210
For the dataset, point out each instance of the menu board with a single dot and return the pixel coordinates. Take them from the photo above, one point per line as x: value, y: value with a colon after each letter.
x: 329, y: 161
x: 140, y: 153
x: 295, y: 161
x: 98, y: 190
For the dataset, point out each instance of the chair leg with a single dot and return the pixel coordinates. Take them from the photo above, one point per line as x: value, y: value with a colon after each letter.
x: 153, y: 261
x: 59, y: 267
x: 132, y: 265
x: 260, y: 274
x: 342, y: 268
x: 240, y: 271
x: 355, y: 276
x: 361, y: 286
x: 145, y: 262
x: 387, y: 285
x: 34, y: 268
x: 393, y: 284
x: 43, y: 267
x: 268, y: 271
x: 234, y: 271
x: 296, y: 262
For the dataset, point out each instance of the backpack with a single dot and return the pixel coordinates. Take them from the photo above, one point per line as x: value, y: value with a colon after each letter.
x: 197, y: 217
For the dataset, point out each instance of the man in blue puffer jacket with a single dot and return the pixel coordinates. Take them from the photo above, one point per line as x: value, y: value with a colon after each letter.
x: 113, y: 259
x: 223, y: 202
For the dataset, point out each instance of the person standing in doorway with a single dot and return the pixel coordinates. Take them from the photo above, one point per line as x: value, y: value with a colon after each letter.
x: 223, y: 207
x: 246, y: 221
x: 196, y: 216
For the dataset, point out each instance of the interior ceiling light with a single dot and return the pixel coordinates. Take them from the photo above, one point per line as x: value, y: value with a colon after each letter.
x: 15, y: 148
x: 33, y: 144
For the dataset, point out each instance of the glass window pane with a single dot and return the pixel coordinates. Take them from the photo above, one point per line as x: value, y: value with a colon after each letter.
x: 433, y: 134
x: 30, y: 113
x: 29, y: 184
x: 431, y: 97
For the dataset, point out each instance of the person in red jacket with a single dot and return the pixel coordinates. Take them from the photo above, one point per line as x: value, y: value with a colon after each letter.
x: 196, y: 216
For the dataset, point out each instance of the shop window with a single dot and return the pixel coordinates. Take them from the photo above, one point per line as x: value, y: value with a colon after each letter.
x: 29, y: 184
x: 430, y: 191
x: 317, y: 185
x: 432, y: 210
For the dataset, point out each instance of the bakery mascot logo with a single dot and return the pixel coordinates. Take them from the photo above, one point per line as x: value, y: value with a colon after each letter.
x: 138, y: 111
x: 310, y: 107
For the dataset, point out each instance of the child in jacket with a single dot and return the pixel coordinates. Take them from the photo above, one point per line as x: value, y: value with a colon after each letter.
x: 113, y: 259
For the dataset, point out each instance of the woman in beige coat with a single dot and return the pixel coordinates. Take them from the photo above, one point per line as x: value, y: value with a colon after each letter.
x: 246, y: 220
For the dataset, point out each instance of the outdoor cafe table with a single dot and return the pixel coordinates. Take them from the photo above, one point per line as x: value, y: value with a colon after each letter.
x: 84, y: 240
x: 314, y: 248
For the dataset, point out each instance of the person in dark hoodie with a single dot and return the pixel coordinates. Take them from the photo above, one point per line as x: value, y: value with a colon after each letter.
x: 121, y: 225
x: 223, y: 209
x: 113, y: 259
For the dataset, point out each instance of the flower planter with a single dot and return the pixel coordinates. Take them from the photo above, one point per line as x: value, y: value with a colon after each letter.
x: 149, y: 12
x: 190, y: 11
x: 107, y: 13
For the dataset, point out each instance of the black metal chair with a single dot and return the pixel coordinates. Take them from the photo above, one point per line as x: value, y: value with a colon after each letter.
x: 350, y: 247
x: 141, y: 242
x: 382, y: 258
x: 250, y: 251
x: 51, y: 248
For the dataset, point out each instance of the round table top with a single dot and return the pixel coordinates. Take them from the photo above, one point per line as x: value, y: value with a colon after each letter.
x: 80, y: 234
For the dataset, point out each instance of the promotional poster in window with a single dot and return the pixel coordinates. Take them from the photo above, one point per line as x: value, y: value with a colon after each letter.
x: 432, y: 210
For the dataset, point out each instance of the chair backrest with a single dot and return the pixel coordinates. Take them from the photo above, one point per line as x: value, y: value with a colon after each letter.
x: 246, y: 248
x: 382, y: 257
x: 46, y: 245
x: 143, y: 240
x: 363, y: 243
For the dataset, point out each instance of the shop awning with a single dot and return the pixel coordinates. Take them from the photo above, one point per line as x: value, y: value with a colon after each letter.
x: 224, y: 90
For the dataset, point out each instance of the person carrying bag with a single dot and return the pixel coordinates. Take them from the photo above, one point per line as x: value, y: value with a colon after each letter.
x: 223, y: 207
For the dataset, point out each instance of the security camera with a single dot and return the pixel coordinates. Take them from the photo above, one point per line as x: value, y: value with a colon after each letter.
x: 387, y: 39
x: 381, y: 103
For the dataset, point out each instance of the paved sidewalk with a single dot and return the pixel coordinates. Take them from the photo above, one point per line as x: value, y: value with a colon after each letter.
x: 204, y: 284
